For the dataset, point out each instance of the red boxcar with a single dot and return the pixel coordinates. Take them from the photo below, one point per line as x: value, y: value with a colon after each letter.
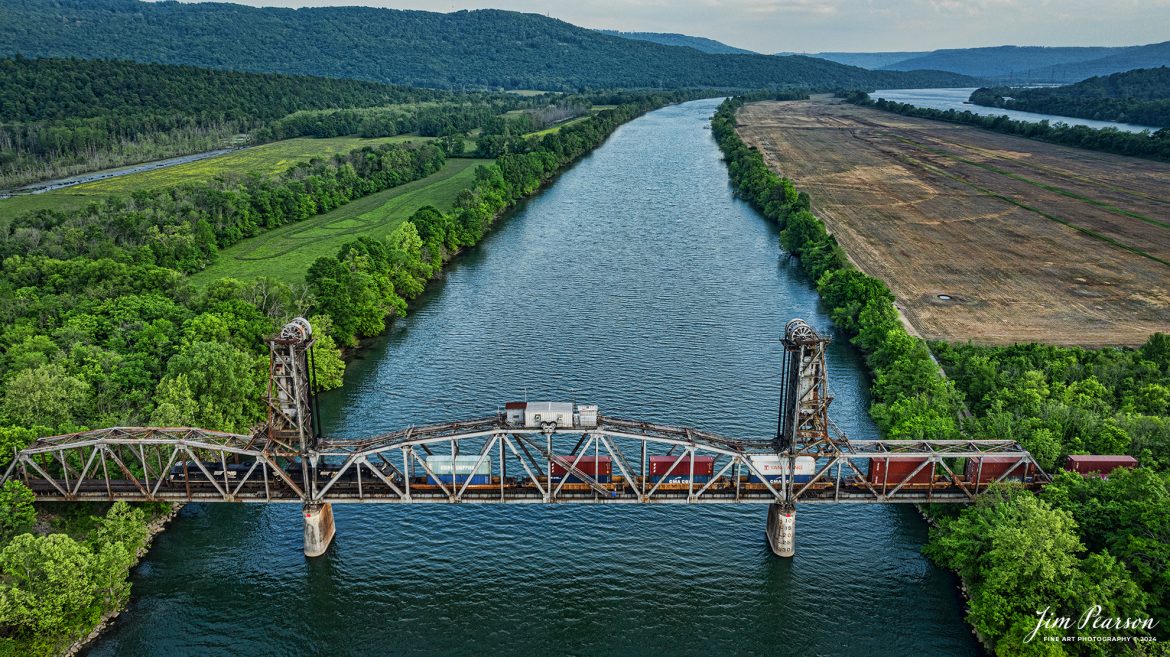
x: 994, y: 467
x: 899, y: 470
x: 704, y: 468
x: 1098, y: 465
x: 598, y: 467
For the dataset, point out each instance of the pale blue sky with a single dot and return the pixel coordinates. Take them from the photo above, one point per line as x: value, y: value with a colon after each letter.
x: 851, y: 25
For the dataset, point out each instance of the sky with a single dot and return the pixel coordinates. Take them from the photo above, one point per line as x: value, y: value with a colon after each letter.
x: 841, y: 25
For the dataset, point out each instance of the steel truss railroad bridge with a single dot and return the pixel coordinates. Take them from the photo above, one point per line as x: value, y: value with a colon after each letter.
x: 287, y: 460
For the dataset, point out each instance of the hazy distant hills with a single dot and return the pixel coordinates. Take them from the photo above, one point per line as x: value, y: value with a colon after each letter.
x: 701, y: 44
x: 1140, y: 96
x: 466, y: 49
x: 1126, y: 59
x: 1001, y: 61
x: 1015, y: 63
x: 870, y: 60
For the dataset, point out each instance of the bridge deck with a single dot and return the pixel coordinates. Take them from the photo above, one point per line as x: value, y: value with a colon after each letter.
x: 524, y: 466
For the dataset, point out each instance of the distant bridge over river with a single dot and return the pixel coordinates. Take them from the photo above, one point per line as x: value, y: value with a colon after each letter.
x: 499, y: 460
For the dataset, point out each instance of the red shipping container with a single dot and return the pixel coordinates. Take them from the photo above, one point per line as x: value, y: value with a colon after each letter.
x: 900, y: 469
x: 597, y: 467
x: 704, y: 466
x: 994, y: 467
x: 1098, y: 465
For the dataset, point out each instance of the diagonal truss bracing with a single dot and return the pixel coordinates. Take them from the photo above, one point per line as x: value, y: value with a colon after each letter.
x: 604, y: 465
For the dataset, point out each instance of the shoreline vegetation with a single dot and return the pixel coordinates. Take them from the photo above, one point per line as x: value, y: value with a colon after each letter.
x: 1151, y: 146
x: 104, y: 327
x: 1140, y: 96
x: 1081, y: 541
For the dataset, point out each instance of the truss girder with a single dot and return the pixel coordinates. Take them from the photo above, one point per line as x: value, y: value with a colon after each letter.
x: 188, y: 464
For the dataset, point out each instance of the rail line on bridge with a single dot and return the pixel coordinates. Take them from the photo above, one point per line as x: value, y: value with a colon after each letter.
x: 500, y: 460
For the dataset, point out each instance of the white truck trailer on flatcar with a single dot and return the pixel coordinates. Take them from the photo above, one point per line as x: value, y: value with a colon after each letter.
x: 550, y: 415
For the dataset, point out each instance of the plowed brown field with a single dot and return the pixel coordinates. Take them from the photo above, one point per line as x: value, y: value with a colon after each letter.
x: 982, y: 236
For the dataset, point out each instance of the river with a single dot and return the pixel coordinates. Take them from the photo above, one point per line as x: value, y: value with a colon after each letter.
x: 956, y: 99
x: 635, y: 281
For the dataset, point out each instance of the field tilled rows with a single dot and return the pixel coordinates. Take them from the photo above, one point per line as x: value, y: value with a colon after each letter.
x: 982, y: 236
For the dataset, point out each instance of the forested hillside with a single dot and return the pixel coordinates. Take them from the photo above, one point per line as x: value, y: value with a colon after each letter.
x: 1126, y: 59
x: 701, y: 44
x: 99, y: 326
x: 64, y: 116
x: 1141, y: 97
x: 1014, y: 63
x: 481, y: 49
x: 999, y: 61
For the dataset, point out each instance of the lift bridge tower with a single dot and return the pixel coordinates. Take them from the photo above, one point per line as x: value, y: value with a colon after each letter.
x: 293, y: 425
x: 802, y: 426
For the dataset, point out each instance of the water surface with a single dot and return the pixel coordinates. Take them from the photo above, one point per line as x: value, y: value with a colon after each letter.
x: 636, y: 281
x: 956, y: 99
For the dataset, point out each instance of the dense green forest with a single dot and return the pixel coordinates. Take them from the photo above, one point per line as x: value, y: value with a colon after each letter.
x: 466, y: 49
x: 1155, y: 146
x: 1141, y: 97
x: 1079, y: 543
x: 701, y: 44
x: 65, y: 116
x: 99, y: 326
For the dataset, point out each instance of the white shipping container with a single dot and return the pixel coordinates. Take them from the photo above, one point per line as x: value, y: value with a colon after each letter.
x: 441, y: 464
x: 772, y: 466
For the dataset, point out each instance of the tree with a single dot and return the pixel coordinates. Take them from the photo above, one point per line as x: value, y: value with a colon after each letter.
x: 1018, y: 556
x: 225, y: 384
x: 47, y: 593
x: 17, y: 514
x: 44, y: 395
x: 122, y: 524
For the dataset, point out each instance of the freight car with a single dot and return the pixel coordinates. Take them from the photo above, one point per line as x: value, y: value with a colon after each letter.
x: 190, y: 470
x: 600, y: 468
x: 775, y: 468
x: 550, y: 416
x: 1102, y: 466
x: 989, y: 469
x: 459, y: 470
x: 660, y: 470
x: 900, y: 470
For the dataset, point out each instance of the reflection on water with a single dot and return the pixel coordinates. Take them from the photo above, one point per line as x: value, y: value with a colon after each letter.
x: 956, y: 99
x: 637, y: 282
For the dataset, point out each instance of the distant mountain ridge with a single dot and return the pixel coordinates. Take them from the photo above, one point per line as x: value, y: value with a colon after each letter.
x: 1140, y: 97
x: 999, y: 61
x: 702, y: 44
x: 466, y: 49
x: 1153, y: 55
x: 1015, y: 64
x: 870, y: 60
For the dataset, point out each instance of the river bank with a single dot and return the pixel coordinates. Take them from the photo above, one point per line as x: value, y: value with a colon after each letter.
x: 674, y: 294
x: 154, y: 527
x: 448, y: 256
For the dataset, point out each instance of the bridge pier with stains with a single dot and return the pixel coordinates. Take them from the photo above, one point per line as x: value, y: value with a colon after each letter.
x: 507, y: 458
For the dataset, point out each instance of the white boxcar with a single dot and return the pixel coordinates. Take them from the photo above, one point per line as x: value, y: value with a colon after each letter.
x: 541, y: 415
x: 774, y: 467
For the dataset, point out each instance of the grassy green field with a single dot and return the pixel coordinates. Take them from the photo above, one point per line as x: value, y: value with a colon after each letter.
x: 266, y: 159
x: 286, y: 252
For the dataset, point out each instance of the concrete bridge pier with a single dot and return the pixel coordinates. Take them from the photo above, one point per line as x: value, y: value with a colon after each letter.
x: 781, y: 529
x: 319, y: 528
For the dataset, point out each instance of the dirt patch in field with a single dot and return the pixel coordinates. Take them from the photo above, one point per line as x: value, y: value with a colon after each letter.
x: 982, y: 236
